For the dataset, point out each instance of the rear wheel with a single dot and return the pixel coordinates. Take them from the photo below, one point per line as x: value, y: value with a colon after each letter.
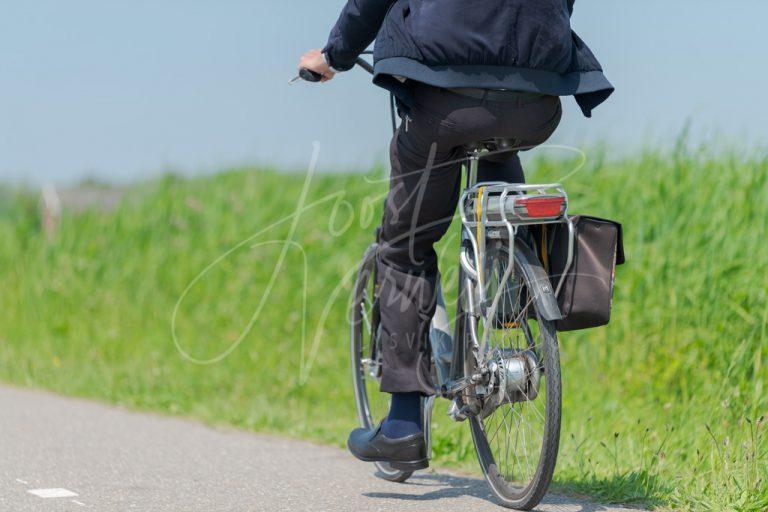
x: 517, y: 431
x: 372, y: 404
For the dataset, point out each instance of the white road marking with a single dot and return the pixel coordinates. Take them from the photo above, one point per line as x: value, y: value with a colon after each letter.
x: 53, y: 493
x: 78, y: 503
x: 22, y: 481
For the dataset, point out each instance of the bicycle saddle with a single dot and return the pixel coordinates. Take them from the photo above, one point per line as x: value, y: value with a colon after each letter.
x: 495, y: 144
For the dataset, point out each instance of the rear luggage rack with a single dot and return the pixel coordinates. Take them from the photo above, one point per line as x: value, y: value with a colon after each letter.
x: 493, y: 205
x: 494, y: 210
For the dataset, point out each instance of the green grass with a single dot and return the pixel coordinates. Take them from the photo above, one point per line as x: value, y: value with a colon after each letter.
x: 661, y: 407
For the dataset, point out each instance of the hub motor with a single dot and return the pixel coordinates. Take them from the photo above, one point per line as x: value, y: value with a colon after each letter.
x: 514, y: 377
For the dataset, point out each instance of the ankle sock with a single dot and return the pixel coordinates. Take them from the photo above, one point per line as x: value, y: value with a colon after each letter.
x: 404, y: 417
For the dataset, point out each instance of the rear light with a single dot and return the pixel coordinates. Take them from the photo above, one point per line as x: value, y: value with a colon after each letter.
x: 540, y: 206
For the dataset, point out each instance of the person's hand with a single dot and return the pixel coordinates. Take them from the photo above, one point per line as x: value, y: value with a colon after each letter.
x: 314, y: 61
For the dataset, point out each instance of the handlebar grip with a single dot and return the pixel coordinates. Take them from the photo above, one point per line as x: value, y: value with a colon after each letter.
x: 309, y: 75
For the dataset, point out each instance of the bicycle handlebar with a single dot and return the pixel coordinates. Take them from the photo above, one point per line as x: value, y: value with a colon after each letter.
x: 310, y: 76
x: 364, y: 64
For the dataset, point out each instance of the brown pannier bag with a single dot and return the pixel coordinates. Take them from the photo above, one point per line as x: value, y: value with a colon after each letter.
x: 587, y: 292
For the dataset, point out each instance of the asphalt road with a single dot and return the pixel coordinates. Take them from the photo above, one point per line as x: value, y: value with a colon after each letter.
x: 85, y: 455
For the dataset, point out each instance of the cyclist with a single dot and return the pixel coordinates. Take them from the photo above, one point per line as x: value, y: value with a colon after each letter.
x: 462, y: 72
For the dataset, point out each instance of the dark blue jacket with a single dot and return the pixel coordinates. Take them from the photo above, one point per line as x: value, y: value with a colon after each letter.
x: 522, y: 45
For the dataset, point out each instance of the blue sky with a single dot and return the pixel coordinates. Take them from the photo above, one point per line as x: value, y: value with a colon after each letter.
x: 126, y: 90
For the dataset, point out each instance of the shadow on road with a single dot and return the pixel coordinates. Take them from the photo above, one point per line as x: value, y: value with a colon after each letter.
x: 442, y: 486
x: 445, y: 486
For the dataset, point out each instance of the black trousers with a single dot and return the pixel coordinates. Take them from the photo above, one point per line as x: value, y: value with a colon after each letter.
x: 426, y: 156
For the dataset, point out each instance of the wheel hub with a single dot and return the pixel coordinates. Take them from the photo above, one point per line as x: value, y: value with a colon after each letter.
x: 513, y: 376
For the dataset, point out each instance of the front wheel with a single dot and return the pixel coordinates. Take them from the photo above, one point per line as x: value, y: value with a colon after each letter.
x: 372, y: 404
x: 517, y: 429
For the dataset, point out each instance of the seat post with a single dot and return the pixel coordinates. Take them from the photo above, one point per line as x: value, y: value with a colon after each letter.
x: 473, y: 159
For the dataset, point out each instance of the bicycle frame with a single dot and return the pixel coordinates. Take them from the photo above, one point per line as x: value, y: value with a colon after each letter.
x: 475, y: 232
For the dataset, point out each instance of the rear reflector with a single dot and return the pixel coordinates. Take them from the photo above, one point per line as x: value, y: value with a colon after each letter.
x: 542, y: 206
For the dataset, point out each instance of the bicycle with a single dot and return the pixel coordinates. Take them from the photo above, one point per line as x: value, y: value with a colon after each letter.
x: 502, y: 360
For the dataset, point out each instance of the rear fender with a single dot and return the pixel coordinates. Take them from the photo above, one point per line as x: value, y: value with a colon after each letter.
x: 543, y: 294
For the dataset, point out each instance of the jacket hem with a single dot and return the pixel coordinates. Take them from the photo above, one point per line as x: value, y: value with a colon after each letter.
x: 589, y: 87
x: 495, y: 77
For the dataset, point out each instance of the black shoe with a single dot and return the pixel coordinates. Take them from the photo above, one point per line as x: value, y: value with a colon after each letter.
x: 407, y: 453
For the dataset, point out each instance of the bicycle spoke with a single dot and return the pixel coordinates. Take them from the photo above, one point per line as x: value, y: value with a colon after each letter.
x: 517, y: 438
x: 498, y: 426
x: 503, y: 418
